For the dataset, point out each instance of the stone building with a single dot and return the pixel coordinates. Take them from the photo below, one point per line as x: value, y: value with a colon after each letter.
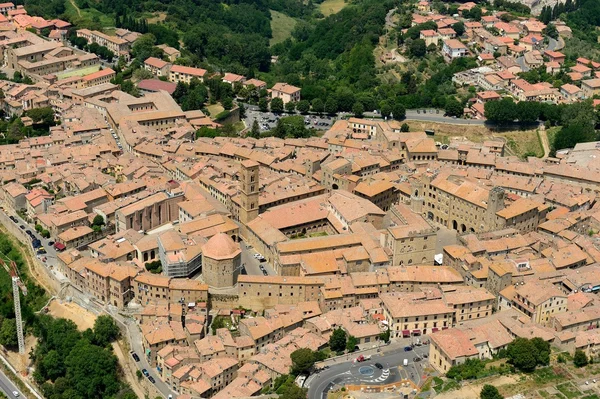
x: 249, y: 188
x: 221, y: 261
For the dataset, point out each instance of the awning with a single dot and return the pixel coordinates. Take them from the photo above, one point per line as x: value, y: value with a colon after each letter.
x: 59, y: 246
x: 434, y: 329
x: 416, y: 332
x: 406, y: 333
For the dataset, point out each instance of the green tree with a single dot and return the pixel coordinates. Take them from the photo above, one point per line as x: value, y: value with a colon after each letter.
x: 398, y: 112
x: 542, y: 351
x: 453, y: 107
x: 105, y: 330
x: 580, y: 359
x: 255, y: 132
x: 404, y: 128
x: 277, y: 105
x: 263, y: 104
x: 317, y: 105
x: 358, y: 110
x: 218, y: 322
x: 522, y: 354
x: 386, y: 110
x: 8, y: 333
x: 227, y: 103
x: 459, y: 28
x: 92, y: 370
x: 303, y: 106
x: 98, y: 221
x: 42, y: 116
x: 331, y: 106
x: 490, y: 392
x: 337, y: 340
x: 417, y: 48
x: 351, y: 343
x: 290, y: 107
x: 53, y: 365
x: 385, y: 336
x: 291, y: 126
x: 302, y: 361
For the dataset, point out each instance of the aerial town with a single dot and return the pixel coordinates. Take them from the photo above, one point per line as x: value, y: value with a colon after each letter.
x: 229, y: 259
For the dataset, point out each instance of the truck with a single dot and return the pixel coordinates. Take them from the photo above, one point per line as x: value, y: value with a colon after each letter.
x: 362, y: 358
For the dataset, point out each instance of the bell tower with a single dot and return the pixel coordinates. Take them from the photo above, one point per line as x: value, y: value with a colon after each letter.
x: 249, y: 187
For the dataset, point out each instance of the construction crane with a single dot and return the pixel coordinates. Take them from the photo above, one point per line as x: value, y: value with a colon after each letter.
x: 16, y: 285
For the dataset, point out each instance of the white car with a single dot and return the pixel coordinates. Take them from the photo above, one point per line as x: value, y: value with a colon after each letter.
x: 256, y: 256
x: 16, y: 394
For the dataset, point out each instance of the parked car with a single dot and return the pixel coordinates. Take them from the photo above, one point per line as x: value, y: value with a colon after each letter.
x: 135, y: 356
x: 50, y: 243
x: 22, y: 227
x: 151, y: 379
x: 145, y: 372
x: 265, y: 272
x: 408, y: 348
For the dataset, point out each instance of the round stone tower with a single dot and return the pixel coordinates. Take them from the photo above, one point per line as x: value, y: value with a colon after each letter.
x: 221, y: 258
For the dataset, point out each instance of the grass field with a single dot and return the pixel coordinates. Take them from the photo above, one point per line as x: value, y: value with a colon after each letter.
x: 79, y: 72
x: 87, y: 17
x: 215, y: 109
x: 282, y: 26
x: 329, y: 7
x: 519, y: 143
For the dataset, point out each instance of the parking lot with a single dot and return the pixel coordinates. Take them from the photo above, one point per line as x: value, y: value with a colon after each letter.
x: 268, y: 120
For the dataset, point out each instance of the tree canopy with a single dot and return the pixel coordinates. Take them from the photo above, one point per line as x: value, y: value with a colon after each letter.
x: 490, y: 392
x: 337, y: 340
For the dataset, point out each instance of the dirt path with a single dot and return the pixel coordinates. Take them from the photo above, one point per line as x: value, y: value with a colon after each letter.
x: 545, y: 142
x: 75, y: 6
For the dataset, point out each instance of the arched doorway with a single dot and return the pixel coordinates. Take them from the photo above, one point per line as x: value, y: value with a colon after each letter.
x: 334, y: 186
x: 454, y: 225
x: 430, y: 215
x: 463, y: 228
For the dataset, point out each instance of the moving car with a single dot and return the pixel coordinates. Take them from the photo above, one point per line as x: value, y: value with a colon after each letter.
x: 379, y: 366
x: 408, y: 348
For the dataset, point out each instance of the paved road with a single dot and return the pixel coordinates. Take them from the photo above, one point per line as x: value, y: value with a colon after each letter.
x: 135, y: 338
x: 348, y: 372
x: 50, y: 251
x: 8, y: 387
x: 251, y: 264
